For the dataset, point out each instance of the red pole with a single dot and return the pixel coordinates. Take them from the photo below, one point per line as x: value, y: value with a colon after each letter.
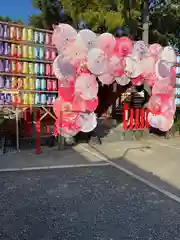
x: 131, y: 118
x: 147, y: 122
x: 38, y: 132
x: 47, y: 128
x: 27, y: 119
x: 125, y: 116
x: 137, y: 118
x: 142, y: 118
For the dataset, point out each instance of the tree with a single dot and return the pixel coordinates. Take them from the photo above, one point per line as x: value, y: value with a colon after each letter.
x: 50, y: 14
x: 7, y: 19
x: 97, y: 14
x: 109, y: 15
x: 37, y: 20
x: 100, y: 16
x: 106, y: 15
x: 164, y: 25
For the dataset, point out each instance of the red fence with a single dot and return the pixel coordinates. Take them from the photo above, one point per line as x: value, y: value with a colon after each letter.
x: 28, y: 127
x: 135, y: 118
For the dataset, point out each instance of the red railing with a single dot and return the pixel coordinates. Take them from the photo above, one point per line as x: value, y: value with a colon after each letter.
x: 135, y: 118
x: 28, y: 127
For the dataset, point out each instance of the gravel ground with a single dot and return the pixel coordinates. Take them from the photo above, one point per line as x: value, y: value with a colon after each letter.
x: 87, y: 203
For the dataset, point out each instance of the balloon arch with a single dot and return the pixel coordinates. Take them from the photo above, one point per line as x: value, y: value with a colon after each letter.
x: 85, y: 58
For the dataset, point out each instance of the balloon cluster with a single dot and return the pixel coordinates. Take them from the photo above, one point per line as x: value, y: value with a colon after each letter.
x: 85, y: 58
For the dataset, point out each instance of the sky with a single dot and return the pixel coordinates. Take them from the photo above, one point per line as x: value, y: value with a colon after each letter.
x: 17, y: 9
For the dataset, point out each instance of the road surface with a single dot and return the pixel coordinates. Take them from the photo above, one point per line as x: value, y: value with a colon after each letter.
x: 85, y: 203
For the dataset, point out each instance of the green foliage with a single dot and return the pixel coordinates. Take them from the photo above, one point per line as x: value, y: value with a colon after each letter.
x: 97, y: 14
x: 7, y: 19
x: 49, y: 15
x: 37, y: 20
x: 110, y: 14
x: 165, y: 27
x: 107, y: 15
x: 104, y: 15
x: 101, y: 18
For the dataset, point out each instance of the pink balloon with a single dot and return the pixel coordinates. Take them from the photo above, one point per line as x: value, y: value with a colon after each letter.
x: 169, y: 107
x: 62, y: 35
x: 78, y: 104
x: 60, y: 106
x: 116, y: 65
x: 154, y: 120
x: 140, y: 49
x: 166, y: 123
x: 173, y: 76
x: 123, y: 46
x: 67, y: 128
x: 147, y: 65
x: 106, y: 42
x: 123, y: 80
x: 87, y: 86
x: 159, y: 121
x: 73, y: 52
x: 88, y: 121
x: 150, y: 79
x: 138, y: 81
x: 155, y: 104
x: 155, y: 49
x: 162, y: 70
x: 66, y: 118
x: 163, y: 88
x: 63, y: 68
x: 81, y: 66
x: 106, y: 78
x: 81, y: 105
x: 62, y: 82
x: 86, y: 39
x: 132, y: 67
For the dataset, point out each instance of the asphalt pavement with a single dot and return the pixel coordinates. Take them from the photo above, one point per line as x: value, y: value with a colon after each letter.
x: 84, y: 203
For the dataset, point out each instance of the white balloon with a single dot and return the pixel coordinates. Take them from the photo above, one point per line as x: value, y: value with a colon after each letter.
x: 89, y: 122
x: 97, y: 61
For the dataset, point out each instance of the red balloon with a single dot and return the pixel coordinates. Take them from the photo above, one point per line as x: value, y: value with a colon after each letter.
x: 67, y: 93
x: 138, y: 81
x: 91, y: 105
x: 123, y: 46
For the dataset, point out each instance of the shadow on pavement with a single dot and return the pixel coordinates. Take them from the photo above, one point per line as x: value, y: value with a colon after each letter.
x: 123, y: 162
